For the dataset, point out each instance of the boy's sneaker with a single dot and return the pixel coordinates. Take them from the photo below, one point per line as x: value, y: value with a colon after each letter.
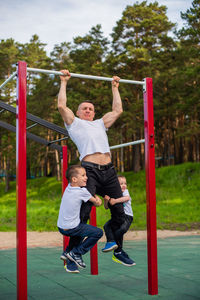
x: 123, y: 258
x: 71, y: 267
x: 109, y: 246
x: 64, y: 256
x: 77, y: 259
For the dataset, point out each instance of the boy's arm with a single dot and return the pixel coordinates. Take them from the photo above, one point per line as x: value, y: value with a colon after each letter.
x: 123, y: 199
x: 96, y: 200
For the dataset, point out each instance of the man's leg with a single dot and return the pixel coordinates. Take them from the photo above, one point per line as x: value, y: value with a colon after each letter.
x: 85, y: 211
x: 92, y: 183
x: 119, y: 255
x: 108, y: 232
x: 110, y: 239
x: 123, y: 229
x: 112, y: 189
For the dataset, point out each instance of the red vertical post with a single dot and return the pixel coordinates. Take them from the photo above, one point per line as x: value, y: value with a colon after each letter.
x: 21, y: 182
x: 93, y: 251
x: 64, y: 185
x: 150, y: 188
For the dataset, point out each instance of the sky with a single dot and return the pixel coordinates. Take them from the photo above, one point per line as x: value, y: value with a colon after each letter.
x: 57, y: 21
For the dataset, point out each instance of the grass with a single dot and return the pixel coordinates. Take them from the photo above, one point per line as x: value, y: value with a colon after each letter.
x: 177, y: 195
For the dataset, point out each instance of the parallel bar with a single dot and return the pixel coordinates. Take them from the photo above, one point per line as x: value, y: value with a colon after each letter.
x: 32, y: 137
x: 31, y: 126
x: 58, y: 140
x: 36, y: 119
x: 84, y: 76
x: 128, y: 144
x: 21, y: 183
x: 9, y: 79
x: 150, y: 188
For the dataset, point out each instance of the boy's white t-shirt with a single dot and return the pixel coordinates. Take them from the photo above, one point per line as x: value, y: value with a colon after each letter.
x: 69, y: 213
x: 89, y: 136
x: 127, y: 205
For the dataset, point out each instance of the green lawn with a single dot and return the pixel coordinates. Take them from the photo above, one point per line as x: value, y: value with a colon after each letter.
x: 177, y: 193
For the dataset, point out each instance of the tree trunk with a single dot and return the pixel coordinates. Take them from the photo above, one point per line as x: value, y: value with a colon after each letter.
x: 181, y: 154
x: 58, y: 173
x: 197, y: 148
x: 7, y: 187
x: 190, y: 151
x: 136, y: 158
x: 136, y: 154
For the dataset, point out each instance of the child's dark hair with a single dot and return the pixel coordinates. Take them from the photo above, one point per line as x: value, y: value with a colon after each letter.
x: 72, y: 171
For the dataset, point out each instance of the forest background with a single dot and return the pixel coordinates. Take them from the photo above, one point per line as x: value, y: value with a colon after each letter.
x: 141, y: 45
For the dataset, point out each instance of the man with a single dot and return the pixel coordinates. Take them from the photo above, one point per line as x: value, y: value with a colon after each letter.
x: 92, y: 142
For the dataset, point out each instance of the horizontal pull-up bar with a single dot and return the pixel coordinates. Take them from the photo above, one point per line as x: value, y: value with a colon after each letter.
x: 84, y: 76
x: 9, y: 79
x: 128, y: 144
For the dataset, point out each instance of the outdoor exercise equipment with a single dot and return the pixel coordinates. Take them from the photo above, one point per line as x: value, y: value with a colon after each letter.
x: 21, y: 177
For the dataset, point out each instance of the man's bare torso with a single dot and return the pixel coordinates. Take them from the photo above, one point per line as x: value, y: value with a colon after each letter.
x: 98, y: 158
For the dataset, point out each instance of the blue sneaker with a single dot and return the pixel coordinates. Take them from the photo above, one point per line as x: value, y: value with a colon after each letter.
x: 77, y: 258
x: 109, y: 246
x: 71, y: 267
x: 123, y: 258
x: 64, y: 256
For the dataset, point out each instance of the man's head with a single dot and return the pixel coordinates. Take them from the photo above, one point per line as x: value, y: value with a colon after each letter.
x: 76, y: 175
x: 86, y: 111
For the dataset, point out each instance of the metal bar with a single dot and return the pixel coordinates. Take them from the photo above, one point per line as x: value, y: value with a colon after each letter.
x: 31, y: 126
x: 58, y: 140
x: 21, y: 223
x: 84, y: 76
x: 127, y: 144
x: 64, y: 163
x: 32, y: 137
x: 93, y: 251
x: 7, y: 80
x: 150, y: 188
x: 35, y: 119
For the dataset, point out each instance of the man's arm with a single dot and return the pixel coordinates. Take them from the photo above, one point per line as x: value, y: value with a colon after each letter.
x: 66, y: 113
x: 96, y: 200
x: 123, y: 199
x: 117, y: 109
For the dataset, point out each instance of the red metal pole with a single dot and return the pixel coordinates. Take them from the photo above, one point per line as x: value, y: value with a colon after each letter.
x: 64, y: 185
x: 21, y: 183
x: 150, y: 188
x: 93, y: 251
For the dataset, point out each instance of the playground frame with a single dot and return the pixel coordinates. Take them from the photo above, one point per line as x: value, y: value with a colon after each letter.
x: 21, y: 116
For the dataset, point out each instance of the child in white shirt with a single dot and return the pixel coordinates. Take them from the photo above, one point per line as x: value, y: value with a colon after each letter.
x: 110, y: 236
x: 69, y: 217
